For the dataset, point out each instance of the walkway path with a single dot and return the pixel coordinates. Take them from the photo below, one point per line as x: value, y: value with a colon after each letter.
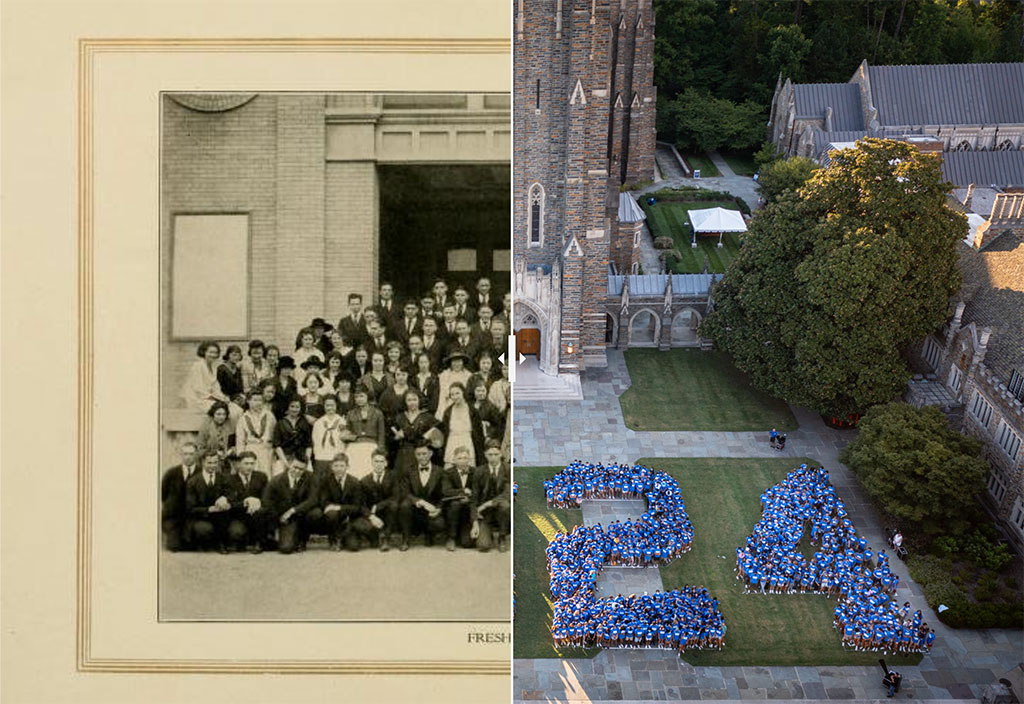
x: 742, y: 186
x: 554, y: 432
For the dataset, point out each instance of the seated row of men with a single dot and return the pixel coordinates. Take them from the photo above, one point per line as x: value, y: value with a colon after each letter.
x: 205, y: 509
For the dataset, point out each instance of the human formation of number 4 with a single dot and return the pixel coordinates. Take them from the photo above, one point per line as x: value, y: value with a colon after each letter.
x: 867, y: 614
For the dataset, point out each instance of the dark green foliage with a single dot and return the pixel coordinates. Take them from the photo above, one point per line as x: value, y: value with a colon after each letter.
x: 833, y: 281
x: 917, y: 468
x: 735, y: 51
x: 783, y: 175
x: 696, y: 119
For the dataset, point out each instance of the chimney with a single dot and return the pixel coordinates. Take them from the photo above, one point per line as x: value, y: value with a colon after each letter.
x: 954, y: 324
x: 979, y: 352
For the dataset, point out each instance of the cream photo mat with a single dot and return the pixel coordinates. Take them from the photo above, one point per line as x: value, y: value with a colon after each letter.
x: 90, y: 264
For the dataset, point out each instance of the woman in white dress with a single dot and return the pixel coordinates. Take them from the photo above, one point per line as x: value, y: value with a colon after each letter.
x: 456, y: 373
x: 255, y: 432
x: 461, y: 426
x: 201, y: 389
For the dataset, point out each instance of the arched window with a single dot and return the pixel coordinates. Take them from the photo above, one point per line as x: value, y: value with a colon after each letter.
x: 535, y: 219
x: 964, y: 146
x: 1005, y: 146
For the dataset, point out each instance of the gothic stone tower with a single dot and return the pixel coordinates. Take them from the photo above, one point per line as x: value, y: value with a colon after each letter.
x: 583, y: 125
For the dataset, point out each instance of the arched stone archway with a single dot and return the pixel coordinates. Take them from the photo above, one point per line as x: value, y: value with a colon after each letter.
x: 644, y: 328
x: 684, y: 328
x: 611, y: 329
x: 527, y: 314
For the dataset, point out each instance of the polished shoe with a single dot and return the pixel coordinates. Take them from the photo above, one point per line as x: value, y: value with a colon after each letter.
x: 503, y: 544
x: 404, y: 545
x: 450, y: 545
x: 223, y: 549
x: 255, y: 549
x: 385, y: 544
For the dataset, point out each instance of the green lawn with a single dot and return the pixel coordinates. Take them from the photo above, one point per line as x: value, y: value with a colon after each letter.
x: 689, y: 389
x: 670, y: 219
x: 703, y: 162
x: 741, y: 163
x: 723, y: 500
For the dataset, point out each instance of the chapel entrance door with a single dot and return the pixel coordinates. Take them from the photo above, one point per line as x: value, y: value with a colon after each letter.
x: 528, y: 341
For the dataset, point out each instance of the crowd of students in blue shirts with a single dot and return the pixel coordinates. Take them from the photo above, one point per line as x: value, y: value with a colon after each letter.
x: 867, y: 615
x: 680, y: 619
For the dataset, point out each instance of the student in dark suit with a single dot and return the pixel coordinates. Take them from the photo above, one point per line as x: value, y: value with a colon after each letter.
x: 492, y: 487
x: 422, y: 511
x: 408, y: 325
x: 351, y: 325
x: 383, y: 492
x: 484, y: 295
x: 463, y: 343
x: 341, y: 502
x: 464, y: 309
x: 377, y: 339
x: 207, y: 504
x: 458, y: 497
x: 387, y: 309
x: 433, y: 343
x: 291, y: 503
x: 173, y: 512
x: 481, y: 328
x: 248, y: 523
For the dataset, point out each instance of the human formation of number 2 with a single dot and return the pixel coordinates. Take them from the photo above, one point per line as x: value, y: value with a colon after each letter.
x: 689, y: 618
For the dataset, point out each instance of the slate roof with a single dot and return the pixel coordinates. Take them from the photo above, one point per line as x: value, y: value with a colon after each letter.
x: 944, y: 94
x: 822, y: 138
x: 629, y: 210
x: 844, y: 98
x: 692, y: 285
x: 993, y: 290
x: 999, y: 169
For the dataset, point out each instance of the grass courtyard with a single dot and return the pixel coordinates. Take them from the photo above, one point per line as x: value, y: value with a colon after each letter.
x: 668, y: 218
x: 723, y: 500
x: 689, y: 389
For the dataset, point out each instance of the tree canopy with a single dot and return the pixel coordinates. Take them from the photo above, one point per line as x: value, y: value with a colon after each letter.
x: 835, y: 280
x: 917, y: 468
x: 734, y: 51
x: 777, y: 177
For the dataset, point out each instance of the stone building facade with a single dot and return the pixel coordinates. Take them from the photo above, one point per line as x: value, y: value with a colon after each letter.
x: 978, y: 357
x: 584, y: 125
x: 968, y: 107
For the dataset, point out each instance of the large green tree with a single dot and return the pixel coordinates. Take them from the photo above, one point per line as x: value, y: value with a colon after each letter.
x: 781, y: 175
x: 834, y: 281
x: 917, y: 468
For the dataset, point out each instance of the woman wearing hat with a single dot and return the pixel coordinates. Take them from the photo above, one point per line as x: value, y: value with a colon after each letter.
x: 461, y: 426
x: 456, y: 373
x: 305, y: 350
x: 285, y: 386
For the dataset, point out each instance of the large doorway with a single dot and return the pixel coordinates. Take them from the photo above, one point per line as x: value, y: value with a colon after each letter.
x: 528, y: 342
x: 448, y: 221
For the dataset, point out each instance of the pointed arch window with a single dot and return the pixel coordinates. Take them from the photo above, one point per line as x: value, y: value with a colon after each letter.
x: 535, y: 218
x: 964, y: 146
x: 1005, y: 146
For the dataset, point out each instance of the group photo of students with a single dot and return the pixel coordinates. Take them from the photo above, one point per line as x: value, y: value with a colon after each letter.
x: 868, y: 615
x: 386, y: 429
x: 680, y: 619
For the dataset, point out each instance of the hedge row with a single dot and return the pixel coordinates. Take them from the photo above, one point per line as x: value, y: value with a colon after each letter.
x: 934, y: 574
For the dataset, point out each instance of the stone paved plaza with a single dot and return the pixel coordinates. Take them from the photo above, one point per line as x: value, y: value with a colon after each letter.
x: 551, y: 433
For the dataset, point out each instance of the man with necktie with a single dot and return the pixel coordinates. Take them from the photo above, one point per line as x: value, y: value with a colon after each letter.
x: 421, y: 511
x: 172, y: 498
x: 207, y: 504
x: 351, y: 325
x: 458, y: 497
x: 291, y: 503
x: 492, y: 486
x: 382, y: 494
x: 248, y: 523
x: 463, y: 309
x: 341, y: 502
x: 409, y: 325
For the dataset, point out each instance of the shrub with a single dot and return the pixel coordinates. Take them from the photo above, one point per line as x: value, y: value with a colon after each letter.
x: 945, y: 592
x: 985, y: 553
x: 946, y: 546
x: 928, y: 568
x: 984, y: 615
x: 663, y: 242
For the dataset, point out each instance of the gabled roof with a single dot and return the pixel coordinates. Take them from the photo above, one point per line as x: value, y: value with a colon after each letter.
x: 945, y: 94
x: 844, y: 98
x: 998, y: 169
x: 717, y: 220
x: 993, y: 289
x: 629, y: 210
x: 690, y: 285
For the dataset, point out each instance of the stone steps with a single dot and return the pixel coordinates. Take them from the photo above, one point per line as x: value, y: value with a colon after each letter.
x: 562, y: 388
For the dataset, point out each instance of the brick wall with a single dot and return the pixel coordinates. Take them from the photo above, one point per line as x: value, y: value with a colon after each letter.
x: 219, y: 162
x: 351, y: 255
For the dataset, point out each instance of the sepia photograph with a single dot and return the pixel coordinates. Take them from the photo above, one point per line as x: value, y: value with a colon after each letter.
x: 335, y: 404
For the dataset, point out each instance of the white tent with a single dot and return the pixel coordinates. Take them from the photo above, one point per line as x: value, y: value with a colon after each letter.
x: 720, y: 220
